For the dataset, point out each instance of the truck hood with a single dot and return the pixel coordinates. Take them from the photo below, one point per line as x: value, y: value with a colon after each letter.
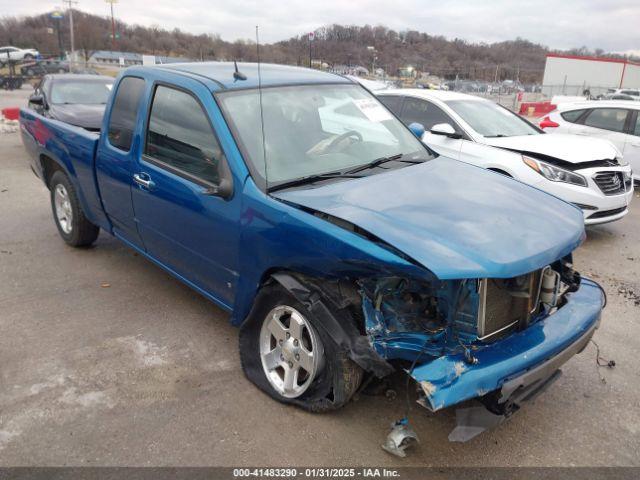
x: 80, y: 115
x: 455, y: 219
x: 570, y: 148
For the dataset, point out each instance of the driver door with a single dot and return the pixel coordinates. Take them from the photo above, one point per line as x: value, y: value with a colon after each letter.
x: 183, y: 219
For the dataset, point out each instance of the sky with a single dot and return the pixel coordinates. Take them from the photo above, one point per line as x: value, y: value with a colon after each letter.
x: 608, y: 24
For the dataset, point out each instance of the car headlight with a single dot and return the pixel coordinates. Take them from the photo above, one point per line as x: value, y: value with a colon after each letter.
x: 553, y: 173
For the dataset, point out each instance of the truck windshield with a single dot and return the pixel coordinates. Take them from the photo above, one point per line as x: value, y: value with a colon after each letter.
x: 86, y: 92
x: 490, y: 119
x: 314, y: 130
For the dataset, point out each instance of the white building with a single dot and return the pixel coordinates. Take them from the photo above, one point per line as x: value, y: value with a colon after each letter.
x: 571, y: 75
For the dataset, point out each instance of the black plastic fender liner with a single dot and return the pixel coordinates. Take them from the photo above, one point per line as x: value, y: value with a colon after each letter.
x: 344, y: 333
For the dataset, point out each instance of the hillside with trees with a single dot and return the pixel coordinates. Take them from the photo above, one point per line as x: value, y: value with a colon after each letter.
x: 369, y: 46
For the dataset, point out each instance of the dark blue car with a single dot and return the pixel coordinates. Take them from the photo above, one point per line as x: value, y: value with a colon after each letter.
x: 342, y: 246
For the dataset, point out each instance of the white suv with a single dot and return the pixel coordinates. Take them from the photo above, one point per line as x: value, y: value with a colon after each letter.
x: 588, y: 172
x: 616, y: 120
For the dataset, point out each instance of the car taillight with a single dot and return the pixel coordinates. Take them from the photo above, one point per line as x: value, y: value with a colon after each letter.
x: 547, y: 122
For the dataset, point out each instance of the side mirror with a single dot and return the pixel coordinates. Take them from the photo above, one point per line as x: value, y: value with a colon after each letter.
x: 417, y: 129
x: 445, y: 129
x: 224, y: 189
x: 37, y: 100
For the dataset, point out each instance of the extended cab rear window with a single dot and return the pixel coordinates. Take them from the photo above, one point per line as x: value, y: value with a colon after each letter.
x: 124, y: 112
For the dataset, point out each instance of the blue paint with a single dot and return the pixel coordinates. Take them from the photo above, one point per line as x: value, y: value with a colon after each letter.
x: 272, y: 75
x: 433, y: 224
x: 457, y: 220
x: 73, y: 148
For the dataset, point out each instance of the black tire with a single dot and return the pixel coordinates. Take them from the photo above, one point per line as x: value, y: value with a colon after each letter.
x: 82, y: 232
x: 30, y: 72
x: 332, y: 387
x: 28, y: 56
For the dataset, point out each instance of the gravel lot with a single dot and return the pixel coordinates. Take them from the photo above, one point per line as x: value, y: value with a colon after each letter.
x: 107, y: 360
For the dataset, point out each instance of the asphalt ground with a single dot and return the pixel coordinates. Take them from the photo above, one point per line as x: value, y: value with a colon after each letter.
x: 105, y: 359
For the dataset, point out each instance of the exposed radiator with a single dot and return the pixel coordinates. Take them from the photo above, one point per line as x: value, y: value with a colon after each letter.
x: 506, y: 304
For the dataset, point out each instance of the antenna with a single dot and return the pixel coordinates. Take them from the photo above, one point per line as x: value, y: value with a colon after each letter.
x: 264, y: 148
x: 237, y: 75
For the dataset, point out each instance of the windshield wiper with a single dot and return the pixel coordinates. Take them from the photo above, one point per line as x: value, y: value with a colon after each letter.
x: 311, y: 179
x: 379, y: 161
x: 499, y: 135
x: 342, y: 174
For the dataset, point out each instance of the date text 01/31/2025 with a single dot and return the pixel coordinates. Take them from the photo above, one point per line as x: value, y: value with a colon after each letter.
x: 316, y: 472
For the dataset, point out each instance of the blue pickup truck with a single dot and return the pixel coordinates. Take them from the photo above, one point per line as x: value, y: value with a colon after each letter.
x: 342, y: 246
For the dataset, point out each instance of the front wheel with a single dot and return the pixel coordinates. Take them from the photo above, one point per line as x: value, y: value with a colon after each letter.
x: 73, y: 226
x: 288, y: 355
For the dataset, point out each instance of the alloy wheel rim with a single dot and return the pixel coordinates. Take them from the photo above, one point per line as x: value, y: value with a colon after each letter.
x: 290, y: 350
x: 64, y: 213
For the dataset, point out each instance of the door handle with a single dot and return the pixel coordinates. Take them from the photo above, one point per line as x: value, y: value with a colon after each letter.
x: 143, y: 180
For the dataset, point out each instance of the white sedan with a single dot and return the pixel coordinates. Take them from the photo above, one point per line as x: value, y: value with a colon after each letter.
x: 615, y: 120
x: 588, y: 172
x: 16, y: 54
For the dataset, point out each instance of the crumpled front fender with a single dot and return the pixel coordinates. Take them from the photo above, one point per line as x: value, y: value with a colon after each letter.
x: 449, y: 380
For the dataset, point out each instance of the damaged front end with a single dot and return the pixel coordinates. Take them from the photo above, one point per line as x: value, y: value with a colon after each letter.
x: 499, y: 340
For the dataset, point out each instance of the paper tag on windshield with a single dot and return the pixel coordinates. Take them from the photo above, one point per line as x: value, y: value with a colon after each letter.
x: 373, y: 110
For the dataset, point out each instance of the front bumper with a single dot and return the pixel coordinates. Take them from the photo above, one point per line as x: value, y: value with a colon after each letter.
x: 605, y: 216
x: 518, y: 361
x: 601, y: 208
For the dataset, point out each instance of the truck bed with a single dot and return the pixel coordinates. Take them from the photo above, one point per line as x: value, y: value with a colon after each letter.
x: 74, y: 148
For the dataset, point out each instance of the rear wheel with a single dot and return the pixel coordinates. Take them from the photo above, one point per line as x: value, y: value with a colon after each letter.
x: 73, y: 226
x: 289, y: 356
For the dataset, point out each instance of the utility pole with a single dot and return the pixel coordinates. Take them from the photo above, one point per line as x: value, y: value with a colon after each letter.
x: 113, y: 25
x: 70, y: 4
x: 311, y: 37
